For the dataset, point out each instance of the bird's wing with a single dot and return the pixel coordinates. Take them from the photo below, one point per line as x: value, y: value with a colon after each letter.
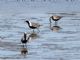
x: 56, y: 17
x: 35, y: 24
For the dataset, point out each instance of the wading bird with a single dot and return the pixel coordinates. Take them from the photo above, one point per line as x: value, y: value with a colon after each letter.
x: 24, y: 40
x: 33, y: 25
x: 55, y: 18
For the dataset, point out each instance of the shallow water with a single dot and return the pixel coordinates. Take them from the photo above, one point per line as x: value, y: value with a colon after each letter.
x: 48, y: 44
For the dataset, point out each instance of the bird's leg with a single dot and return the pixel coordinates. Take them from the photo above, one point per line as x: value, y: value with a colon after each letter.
x: 50, y: 25
x: 38, y: 29
x: 55, y: 23
x: 33, y: 30
x: 23, y: 45
x: 50, y: 20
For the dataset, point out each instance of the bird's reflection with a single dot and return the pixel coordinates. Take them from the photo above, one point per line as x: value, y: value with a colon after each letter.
x: 24, y: 51
x: 33, y: 35
x: 55, y: 28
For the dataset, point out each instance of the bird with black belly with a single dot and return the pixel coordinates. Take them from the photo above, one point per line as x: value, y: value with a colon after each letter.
x: 24, y: 40
x: 33, y: 25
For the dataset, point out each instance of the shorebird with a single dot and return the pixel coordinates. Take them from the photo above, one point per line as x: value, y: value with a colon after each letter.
x: 33, y: 25
x: 55, y: 18
x: 24, y: 40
